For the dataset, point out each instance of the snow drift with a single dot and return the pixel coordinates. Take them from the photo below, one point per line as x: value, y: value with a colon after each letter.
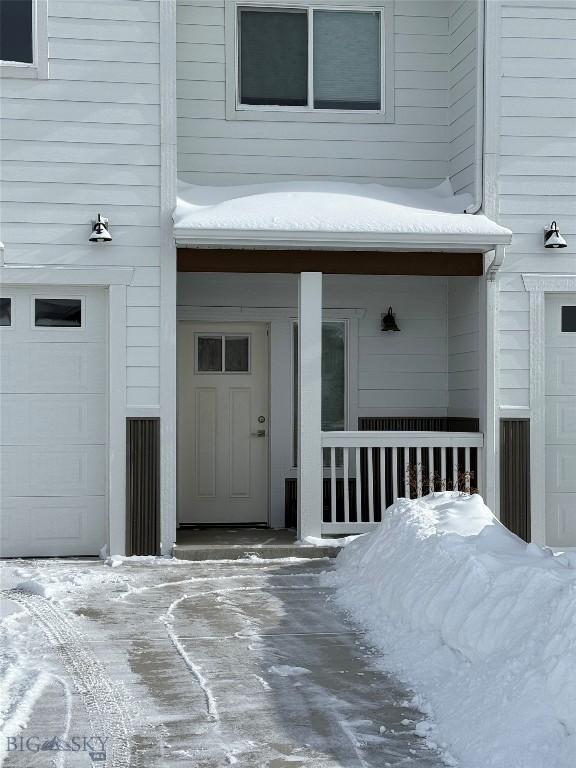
x: 481, y: 625
x: 330, y: 207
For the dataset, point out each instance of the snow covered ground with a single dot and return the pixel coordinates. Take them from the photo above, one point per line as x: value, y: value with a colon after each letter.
x: 480, y: 624
x: 173, y: 663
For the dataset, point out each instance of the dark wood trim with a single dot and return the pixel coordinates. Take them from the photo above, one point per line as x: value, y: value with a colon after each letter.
x: 331, y: 262
x: 515, y: 476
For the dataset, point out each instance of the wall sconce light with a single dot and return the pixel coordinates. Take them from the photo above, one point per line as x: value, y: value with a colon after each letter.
x: 389, y: 321
x: 100, y: 232
x: 553, y: 238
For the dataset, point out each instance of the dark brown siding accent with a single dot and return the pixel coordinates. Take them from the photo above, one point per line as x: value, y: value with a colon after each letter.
x: 330, y: 262
x: 143, y: 486
x: 515, y: 476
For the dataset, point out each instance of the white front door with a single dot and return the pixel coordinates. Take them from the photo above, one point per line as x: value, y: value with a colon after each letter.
x: 53, y: 421
x: 222, y: 423
x: 561, y: 420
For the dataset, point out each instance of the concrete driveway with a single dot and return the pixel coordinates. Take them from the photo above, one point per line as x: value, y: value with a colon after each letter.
x: 241, y: 663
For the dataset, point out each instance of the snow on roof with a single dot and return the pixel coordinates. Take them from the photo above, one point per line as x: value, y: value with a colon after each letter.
x: 308, y: 209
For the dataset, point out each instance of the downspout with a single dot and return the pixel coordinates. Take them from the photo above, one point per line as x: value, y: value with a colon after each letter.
x: 479, y: 140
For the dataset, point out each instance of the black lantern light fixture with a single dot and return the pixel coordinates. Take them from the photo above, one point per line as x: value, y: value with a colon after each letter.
x: 553, y: 238
x: 100, y: 232
x: 389, y: 321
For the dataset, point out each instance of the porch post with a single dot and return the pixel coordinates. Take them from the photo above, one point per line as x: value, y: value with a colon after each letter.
x: 309, y: 404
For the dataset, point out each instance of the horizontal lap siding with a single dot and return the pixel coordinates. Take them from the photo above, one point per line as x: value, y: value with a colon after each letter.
x: 87, y: 140
x: 398, y: 374
x: 462, y: 66
x: 412, y: 151
x: 537, y: 167
x: 463, y: 347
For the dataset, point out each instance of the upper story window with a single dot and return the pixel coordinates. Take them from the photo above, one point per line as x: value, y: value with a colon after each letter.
x: 299, y: 61
x: 23, y: 38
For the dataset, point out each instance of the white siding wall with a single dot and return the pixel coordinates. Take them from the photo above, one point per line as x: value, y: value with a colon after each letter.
x: 537, y: 166
x: 86, y: 141
x: 462, y: 68
x: 463, y: 347
x: 399, y: 374
x: 412, y: 151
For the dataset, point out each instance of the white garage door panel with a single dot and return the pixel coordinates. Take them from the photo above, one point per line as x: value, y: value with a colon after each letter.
x: 561, y: 519
x: 53, y: 367
x: 63, y: 526
x: 46, y: 471
x: 54, y: 427
x: 561, y: 372
x: 52, y: 419
x: 561, y: 467
x: 561, y: 420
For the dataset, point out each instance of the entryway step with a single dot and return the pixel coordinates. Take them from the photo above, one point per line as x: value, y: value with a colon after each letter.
x: 244, y: 552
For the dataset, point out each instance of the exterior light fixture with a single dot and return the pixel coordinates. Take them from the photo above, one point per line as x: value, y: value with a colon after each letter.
x: 100, y: 232
x: 553, y: 238
x: 389, y: 321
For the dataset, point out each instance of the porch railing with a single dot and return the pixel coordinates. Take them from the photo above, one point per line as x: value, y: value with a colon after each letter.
x: 367, y: 471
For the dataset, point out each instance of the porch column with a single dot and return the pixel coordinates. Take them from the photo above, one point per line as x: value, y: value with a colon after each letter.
x: 309, y: 404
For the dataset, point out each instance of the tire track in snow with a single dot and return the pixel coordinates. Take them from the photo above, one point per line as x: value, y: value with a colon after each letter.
x: 104, y: 706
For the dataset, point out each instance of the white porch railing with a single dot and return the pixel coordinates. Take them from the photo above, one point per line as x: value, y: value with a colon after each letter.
x: 368, y: 471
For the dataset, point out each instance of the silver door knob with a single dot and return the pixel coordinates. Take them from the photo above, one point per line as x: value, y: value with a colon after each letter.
x: 259, y: 433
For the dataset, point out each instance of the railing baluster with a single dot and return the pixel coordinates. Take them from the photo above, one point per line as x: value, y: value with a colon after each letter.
x: 431, y: 487
x: 407, y: 472
x: 467, y: 470
x: 455, y: 469
x: 333, y: 485
x: 358, y: 487
x: 394, y: 474
x: 370, y: 487
x: 443, y: 478
x: 478, y: 476
x: 346, y: 485
x: 418, y: 472
x: 382, y: 454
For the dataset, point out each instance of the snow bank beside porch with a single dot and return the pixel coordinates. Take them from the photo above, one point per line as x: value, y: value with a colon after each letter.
x: 479, y: 624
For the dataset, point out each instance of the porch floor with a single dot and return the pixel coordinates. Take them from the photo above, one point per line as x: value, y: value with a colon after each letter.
x: 229, y: 543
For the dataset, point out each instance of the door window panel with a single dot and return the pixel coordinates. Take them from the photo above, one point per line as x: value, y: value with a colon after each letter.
x: 237, y: 354
x: 209, y: 354
x: 58, y: 313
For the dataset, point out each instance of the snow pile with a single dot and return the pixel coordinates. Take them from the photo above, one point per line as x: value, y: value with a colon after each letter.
x: 480, y: 624
x: 337, y: 207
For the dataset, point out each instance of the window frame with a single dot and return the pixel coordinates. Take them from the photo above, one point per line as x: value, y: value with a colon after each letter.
x: 64, y: 328
x: 39, y: 67
x: 237, y: 111
x: 222, y: 336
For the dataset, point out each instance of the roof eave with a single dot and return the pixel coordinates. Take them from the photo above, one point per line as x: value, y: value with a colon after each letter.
x: 271, y: 239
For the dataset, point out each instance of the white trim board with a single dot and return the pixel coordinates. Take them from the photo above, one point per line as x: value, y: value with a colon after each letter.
x: 168, y: 276
x: 238, y: 314
x: 538, y: 286
x: 364, y: 241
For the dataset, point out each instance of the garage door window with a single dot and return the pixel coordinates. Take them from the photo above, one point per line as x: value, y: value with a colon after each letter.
x: 5, y: 311
x: 569, y: 319
x: 58, y: 313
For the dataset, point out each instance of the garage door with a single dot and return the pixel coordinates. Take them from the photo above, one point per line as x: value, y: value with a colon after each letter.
x: 561, y: 420
x: 53, y: 428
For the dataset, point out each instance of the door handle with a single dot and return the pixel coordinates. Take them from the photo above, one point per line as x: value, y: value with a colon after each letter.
x: 259, y: 433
